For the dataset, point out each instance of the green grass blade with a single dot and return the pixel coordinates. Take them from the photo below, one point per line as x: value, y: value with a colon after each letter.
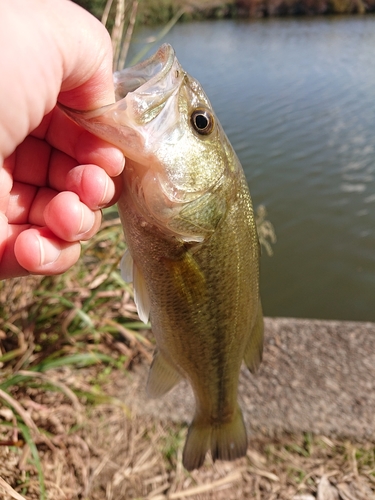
x: 80, y: 359
x: 34, y: 452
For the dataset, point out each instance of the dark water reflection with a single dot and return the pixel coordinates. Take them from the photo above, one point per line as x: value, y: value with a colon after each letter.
x: 297, y: 100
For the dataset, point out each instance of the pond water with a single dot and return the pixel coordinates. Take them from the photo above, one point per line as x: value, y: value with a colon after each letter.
x: 296, y: 98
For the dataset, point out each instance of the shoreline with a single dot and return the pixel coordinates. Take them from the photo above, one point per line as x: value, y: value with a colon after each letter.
x: 158, y: 12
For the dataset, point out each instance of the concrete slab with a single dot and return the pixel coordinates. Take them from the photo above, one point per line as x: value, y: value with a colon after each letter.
x: 316, y: 376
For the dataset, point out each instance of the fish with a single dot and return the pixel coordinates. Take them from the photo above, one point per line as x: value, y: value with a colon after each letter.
x: 192, y: 245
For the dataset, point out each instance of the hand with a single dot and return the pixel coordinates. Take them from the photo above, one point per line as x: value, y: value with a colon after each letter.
x: 54, y: 177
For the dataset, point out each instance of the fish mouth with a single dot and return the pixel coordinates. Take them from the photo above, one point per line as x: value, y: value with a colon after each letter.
x: 150, y: 72
x: 141, y: 93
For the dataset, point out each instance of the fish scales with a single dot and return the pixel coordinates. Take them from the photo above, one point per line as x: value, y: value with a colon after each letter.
x: 193, y: 250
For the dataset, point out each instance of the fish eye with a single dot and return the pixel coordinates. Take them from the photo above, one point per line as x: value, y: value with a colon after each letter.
x: 202, y: 120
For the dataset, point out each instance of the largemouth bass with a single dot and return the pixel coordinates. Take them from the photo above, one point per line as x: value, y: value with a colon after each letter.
x: 193, y: 251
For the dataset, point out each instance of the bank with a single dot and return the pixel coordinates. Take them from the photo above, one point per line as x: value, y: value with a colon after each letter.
x: 157, y: 12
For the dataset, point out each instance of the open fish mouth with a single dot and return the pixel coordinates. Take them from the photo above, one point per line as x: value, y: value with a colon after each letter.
x: 142, y: 92
x: 151, y: 71
x: 150, y: 82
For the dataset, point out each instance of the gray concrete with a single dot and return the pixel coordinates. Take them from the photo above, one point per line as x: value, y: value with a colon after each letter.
x: 316, y: 376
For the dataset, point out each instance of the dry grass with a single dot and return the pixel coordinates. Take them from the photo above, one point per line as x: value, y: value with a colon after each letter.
x: 85, y: 317
x: 103, y: 452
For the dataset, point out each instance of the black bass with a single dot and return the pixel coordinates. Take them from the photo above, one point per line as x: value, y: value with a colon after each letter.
x: 193, y: 250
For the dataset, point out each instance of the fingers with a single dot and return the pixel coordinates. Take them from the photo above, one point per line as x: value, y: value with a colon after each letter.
x: 39, y: 251
x: 34, y: 250
x: 69, y: 59
x: 36, y: 164
x: 69, y: 219
x: 52, y: 248
x: 90, y: 182
x: 20, y: 201
x: 9, y: 265
x: 93, y: 186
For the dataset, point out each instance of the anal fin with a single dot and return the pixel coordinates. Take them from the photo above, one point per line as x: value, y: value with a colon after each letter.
x: 162, y: 376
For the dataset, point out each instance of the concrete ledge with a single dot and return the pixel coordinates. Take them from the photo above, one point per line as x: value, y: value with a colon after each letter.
x: 316, y: 376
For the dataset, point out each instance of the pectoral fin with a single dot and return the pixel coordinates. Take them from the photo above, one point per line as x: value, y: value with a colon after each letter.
x: 254, y: 348
x: 162, y: 376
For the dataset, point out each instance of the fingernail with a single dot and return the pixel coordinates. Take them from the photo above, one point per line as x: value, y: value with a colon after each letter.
x: 87, y: 220
x: 123, y: 164
x: 104, y: 199
x: 49, y: 252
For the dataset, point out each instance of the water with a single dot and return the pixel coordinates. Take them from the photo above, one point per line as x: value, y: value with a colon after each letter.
x: 297, y: 100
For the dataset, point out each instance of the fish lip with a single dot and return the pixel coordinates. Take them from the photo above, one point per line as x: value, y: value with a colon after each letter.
x: 160, y: 64
x: 121, y: 122
x: 147, y: 73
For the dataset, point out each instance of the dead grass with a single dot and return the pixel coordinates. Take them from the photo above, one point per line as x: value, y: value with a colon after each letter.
x: 85, y: 317
x: 103, y: 452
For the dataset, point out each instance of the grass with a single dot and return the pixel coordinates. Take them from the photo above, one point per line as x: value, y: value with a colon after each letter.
x: 82, y: 318
x: 102, y: 452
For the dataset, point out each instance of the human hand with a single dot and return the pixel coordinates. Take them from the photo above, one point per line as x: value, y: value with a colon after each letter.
x: 55, y: 177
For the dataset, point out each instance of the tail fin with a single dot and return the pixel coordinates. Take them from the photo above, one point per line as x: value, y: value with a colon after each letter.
x: 227, y: 441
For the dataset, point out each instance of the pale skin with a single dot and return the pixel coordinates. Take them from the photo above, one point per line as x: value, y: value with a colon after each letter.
x: 54, y: 177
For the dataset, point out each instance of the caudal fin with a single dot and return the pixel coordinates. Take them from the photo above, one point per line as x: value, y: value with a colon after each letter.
x: 226, y: 441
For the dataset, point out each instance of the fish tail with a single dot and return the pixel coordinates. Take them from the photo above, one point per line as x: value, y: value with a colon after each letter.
x: 227, y: 441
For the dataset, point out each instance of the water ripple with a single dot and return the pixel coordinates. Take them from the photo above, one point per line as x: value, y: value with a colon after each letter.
x: 296, y: 98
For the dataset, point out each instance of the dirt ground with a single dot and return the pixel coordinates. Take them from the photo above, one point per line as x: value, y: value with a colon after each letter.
x: 101, y: 452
